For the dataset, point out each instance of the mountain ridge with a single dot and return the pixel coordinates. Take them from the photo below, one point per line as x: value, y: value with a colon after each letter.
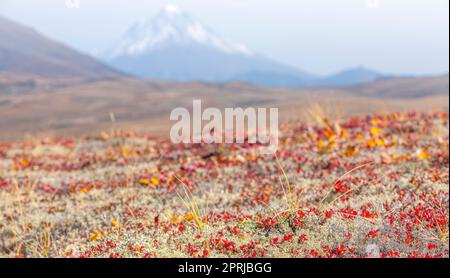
x: 175, y: 46
x: 24, y: 51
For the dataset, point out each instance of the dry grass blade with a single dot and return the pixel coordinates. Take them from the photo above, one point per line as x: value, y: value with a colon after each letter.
x: 191, y: 204
x: 290, y: 195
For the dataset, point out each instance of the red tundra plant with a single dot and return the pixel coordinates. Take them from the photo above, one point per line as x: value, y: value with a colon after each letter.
x: 374, y: 186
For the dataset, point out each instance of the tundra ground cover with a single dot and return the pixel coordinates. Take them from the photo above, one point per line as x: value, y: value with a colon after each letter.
x: 375, y: 186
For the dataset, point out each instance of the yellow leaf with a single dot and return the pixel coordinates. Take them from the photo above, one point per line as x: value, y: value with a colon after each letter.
x: 14, y: 167
x: 375, y: 130
x: 350, y: 151
x: 380, y: 142
x: 96, y: 235
x: 115, y: 223
x: 422, y: 154
x: 320, y: 144
x: 371, y: 144
x: 125, y: 153
x: 188, y: 217
x: 331, y: 136
x: 85, y: 189
x: 375, y: 122
x: 344, y: 134
x: 332, y: 145
x: 144, y: 181
x: 176, y: 219
x: 155, y: 181
x: 24, y: 162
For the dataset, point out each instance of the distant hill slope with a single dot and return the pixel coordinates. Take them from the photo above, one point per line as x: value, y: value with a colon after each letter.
x: 23, y: 51
x: 349, y: 77
x: 345, y: 78
x: 85, y: 108
x: 407, y: 87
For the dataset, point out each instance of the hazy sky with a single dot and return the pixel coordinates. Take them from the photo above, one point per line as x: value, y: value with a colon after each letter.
x: 320, y: 36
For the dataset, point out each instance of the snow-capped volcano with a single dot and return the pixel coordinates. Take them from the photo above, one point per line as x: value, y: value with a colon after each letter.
x: 173, y: 45
x: 171, y: 26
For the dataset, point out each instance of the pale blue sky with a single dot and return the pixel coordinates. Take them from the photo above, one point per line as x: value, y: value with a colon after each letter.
x: 320, y: 36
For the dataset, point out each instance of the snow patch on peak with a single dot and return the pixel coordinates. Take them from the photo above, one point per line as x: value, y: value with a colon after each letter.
x: 171, y: 9
x: 200, y: 34
x: 172, y: 26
